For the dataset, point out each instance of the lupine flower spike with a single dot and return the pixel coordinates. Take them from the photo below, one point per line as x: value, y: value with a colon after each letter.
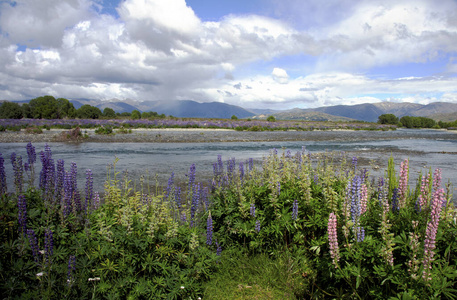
x: 333, y: 239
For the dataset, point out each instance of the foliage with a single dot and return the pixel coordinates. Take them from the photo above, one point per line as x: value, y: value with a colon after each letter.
x: 417, y: 122
x: 48, y: 107
x: 135, y: 115
x: 10, y: 110
x: 88, y: 112
x: 271, y: 119
x: 388, y: 119
x: 234, y: 117
x: 294, y: 227
x: 109, y: 112
x: 104, y: 130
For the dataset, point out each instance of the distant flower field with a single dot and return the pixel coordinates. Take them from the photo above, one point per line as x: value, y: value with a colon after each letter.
x: 253, y: 125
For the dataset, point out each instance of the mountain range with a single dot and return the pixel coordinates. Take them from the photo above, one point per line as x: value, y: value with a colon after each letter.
x: 439, y: 111
x: 369, y: 112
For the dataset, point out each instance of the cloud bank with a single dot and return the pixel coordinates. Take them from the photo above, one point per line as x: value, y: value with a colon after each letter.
x: 337, y: 52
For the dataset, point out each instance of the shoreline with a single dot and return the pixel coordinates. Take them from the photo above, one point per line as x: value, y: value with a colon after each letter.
x: 211, y: 135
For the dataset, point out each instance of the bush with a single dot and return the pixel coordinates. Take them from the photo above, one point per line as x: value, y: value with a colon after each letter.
x: 104, y: 130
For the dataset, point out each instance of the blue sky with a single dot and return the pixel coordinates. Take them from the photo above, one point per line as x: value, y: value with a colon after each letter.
x: 251, y: 53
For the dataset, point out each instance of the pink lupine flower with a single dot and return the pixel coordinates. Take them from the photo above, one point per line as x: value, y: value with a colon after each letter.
x: 430, y: 233
x: 333, y: 239
x: 424, y: 194
x: 436, y: 179
x: 403, y: 183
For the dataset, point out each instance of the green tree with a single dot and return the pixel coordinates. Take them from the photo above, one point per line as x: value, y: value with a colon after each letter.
x: 145, y: 115
x: 388, y: 119
x: 88, y: 112
x: 136, y: 115
x: 65, y: 109
x: 45, y: 107
x: 109, y: 112
x: 271, y: 119
x: 234, y: 117
x: 10, y: 110
x: 26, y: 111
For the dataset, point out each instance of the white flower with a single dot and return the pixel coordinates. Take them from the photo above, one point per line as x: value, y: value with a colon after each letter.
x: 182, y: 287
x: 40, y: 274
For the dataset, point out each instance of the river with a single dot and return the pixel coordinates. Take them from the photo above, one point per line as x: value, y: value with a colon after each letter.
x: 424, y: 149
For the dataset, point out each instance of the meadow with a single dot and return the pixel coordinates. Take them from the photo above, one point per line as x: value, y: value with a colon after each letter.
x: 286, y: 229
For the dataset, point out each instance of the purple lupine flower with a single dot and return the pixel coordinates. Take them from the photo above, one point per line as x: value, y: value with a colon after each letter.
x: 241, y: 168
x: 48, y: 246
x: 31, y: 153
x: 22, y: 213
x: 333, y: 238
x: 209, y: 230
x: 71, y: 268
x: 220, y: 164
x: 3, y: 186
x: 169, y: 185
x: 76, y: 204
x: 68, y: 195
x: 288, y: 154
x: 218, y: 249
x: 230, y: 168
x: 178, y: 197
x: 360, y: 233
x: 18, y: 169
x: 295, y: 210
x: 252, y: 210
x: 354, y: 162
x: 89, y: 189
x: 191, y: 175
x: 363, y: 198
x: 250, y: 164
x: 46, y: 161
x: 33, y: 244
x: 395, y: 205
x: 279, y: 188
x: 430, y: 233
x: 316, y: 179
x: 60, y: 176
x: 257, y: 226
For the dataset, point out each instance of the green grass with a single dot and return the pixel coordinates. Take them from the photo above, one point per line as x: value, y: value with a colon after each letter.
x: 258, y: 276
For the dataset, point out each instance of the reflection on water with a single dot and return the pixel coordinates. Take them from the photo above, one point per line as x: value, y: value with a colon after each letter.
x: 423, y: 148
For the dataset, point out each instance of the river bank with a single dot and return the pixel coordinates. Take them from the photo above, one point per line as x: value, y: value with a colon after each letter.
x: 192, y: 135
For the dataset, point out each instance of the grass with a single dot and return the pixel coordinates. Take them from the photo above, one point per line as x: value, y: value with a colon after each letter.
x: 242, y: 276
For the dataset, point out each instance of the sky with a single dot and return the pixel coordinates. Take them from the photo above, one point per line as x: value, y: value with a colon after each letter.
x: 277, y: 54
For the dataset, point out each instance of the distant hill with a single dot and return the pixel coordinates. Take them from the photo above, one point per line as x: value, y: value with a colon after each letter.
x: 193, y: 109
x: 305, y: 115
x: 119, y: 107
x: 371, y: 111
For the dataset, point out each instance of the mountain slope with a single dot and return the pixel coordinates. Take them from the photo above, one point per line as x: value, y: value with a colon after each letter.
x: 193, y: 109
x: 371, y: 111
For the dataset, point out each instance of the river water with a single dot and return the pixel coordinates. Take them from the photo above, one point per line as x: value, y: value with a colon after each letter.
x: 424, y: 148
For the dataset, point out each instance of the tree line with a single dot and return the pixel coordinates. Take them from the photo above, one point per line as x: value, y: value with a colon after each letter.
x: 48, y: 107
x: 414, y: 122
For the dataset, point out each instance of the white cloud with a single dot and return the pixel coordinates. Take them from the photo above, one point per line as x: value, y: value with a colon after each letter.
x: 161, y: 50
x: 280, y: 75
